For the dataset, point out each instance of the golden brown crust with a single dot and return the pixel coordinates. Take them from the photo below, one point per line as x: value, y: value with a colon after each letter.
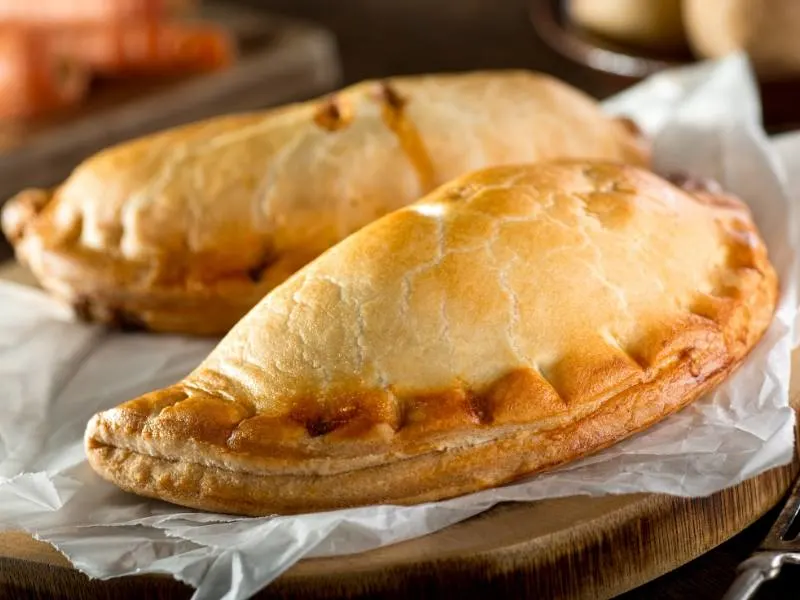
x: 428, y: 477
x: 186, y: 230
x: 513, y: 320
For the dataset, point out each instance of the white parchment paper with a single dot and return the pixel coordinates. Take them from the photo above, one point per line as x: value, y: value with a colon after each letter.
x: 54, y: 374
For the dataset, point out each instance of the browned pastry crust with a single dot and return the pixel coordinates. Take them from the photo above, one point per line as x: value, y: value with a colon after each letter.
x: 186, y: 230
x: 513, y: 320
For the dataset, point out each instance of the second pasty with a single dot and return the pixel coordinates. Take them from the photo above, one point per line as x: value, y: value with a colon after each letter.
x: 186, y: 230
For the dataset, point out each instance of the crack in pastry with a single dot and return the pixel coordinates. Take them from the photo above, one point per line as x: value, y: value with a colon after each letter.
x: 256, y: 272
x: 396, y: 118
x: 169, y: 227
x: 333, y: 114
x: 562, y: 337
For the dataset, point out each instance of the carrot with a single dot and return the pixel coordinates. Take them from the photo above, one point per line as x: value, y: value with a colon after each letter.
x: 70, y: 11
x: 143, y: 47
x: 35, y: 80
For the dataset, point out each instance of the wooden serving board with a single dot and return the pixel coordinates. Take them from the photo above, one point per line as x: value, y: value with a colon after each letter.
x: 280, y: 60
x: 575, y: 548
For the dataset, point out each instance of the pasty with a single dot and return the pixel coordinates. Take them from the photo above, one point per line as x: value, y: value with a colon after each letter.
x: 513, y: 320
x: 186, y: 230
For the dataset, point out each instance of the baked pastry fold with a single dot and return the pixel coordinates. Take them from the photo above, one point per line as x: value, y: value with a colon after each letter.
x: 513, y: 320
x: 186, y: 230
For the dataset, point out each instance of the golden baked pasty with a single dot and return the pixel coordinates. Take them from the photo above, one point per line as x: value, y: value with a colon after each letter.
x: 186, y: 230
x: 512, y: 320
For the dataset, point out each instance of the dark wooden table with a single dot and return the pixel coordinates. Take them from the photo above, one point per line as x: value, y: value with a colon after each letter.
x: 379, y: 38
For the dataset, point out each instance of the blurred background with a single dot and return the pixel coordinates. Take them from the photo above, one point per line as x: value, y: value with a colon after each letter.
x: 383, y: 37
x: 600, y: 46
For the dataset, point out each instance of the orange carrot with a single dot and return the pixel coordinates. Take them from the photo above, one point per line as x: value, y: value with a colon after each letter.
x: 66, y: 11
x: 143, y: 47
x: 33, y: 79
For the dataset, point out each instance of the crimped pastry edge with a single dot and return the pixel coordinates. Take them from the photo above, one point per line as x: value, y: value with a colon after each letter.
x: 432, y: 476
x: 118, y: 292
x: 438, y: 474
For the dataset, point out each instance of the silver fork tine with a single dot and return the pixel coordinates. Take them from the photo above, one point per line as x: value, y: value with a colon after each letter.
x: 789, y: 513
x: 773, y: 553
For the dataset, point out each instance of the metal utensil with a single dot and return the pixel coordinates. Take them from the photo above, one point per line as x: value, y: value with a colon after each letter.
x: 780, y: 547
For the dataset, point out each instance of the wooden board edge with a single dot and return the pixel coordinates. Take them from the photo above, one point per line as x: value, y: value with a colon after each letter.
x: 19, y: 580
x: 602, y: 567
x: 553, y: 569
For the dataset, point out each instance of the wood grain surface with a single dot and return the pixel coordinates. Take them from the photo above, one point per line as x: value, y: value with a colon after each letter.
x: 575, y: 547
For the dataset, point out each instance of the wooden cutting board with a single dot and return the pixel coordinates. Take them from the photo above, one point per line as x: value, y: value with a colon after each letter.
x: 575, y: 548
x: 280, y: 60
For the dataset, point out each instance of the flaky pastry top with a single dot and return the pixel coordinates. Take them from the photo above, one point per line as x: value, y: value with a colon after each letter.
x: 229, y: 197
x: 518, y: 296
